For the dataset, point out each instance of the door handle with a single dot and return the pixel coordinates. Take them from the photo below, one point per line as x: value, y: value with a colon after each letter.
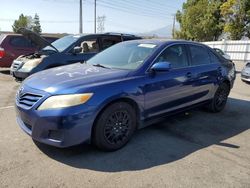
x: 189, y: 75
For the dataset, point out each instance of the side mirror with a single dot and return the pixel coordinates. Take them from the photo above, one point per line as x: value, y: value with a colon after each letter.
x: 77, y: 50
x: 161, y: 66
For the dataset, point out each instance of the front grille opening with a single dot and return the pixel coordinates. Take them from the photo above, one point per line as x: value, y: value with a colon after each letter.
x: 27, y: 100
x: 56, y: 135
x: 28, y: 126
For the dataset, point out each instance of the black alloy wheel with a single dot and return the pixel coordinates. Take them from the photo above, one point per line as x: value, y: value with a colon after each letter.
x: 114, y: 126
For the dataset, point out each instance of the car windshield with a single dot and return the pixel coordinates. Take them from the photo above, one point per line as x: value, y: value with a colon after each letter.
x: 62, y: 43
x: 123, y: 56
x: 1, y: 38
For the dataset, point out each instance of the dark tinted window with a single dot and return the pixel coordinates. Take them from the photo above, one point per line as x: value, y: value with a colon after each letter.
x: 176, y: 55
x: 109, y: 41
x: 213, y: 58
x: 126, y: 38
x: 199, y: 55
x: 20, y: 42
x: 50, y: 39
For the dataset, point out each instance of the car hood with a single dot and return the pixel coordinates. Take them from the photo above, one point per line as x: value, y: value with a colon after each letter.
x: 72, y: 78
x: 38, y: 40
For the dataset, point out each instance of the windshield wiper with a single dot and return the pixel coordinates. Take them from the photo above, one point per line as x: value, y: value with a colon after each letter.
x: 102, y: 66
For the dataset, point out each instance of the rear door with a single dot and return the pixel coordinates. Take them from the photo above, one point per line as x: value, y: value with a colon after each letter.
x: 15, y: 46
x: 205, y: 69
x: 19, y: 45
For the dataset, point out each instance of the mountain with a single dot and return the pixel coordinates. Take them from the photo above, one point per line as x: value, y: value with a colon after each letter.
x: 164, y: 32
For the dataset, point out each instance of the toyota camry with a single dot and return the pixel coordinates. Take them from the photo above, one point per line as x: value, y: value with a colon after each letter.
x: 128, y: 86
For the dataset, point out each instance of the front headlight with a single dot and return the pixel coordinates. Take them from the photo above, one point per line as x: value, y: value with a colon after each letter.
x: 31, y: 64
x: 63, y: 101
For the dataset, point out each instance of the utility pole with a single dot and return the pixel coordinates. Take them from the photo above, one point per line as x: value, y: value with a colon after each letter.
x: 95, y: 17
x: 80, y: 17
x: 173, y: 29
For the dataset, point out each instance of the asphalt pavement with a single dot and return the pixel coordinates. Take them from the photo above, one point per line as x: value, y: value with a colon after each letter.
x: 194, y: 149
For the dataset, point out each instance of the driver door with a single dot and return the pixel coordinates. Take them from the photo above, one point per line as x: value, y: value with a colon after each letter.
x: 89, y: 48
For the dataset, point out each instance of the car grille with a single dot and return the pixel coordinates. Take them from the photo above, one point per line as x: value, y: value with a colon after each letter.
x: 16, y: 65
x: 27, y: 100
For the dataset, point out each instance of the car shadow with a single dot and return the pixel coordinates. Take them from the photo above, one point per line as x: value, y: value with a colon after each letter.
x: 5, y: 71
x: 162, y: 143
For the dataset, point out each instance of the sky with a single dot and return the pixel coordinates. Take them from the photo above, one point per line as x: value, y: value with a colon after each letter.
x: 62, y: 16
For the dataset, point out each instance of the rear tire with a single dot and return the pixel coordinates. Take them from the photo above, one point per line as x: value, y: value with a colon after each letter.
x: 219, y: 101
x: 114, y: 126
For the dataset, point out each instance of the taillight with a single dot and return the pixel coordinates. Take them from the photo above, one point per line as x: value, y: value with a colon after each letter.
x: 2, y: 52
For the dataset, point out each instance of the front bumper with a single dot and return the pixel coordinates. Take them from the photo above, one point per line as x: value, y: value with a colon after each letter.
x: 60, y: 128
x: 245, y: 77
x: 19, y: 75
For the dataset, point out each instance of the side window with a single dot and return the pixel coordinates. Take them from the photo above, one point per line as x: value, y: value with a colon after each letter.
x: 90, y: 45
x: 109, y: 41
x: 176, y: 55
x: 213, y: 58
x: 199, y: 55
x: 20, y: 42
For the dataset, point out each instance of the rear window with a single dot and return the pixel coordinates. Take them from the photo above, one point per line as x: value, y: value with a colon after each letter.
x: 199, y: 55
x: 214, y: 58
x: 19, y: 41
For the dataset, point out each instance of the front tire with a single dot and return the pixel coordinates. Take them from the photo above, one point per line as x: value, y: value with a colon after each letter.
x: 219, y: 101
x: 114, y: 126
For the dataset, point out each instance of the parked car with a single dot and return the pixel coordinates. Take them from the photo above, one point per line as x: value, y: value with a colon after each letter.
x: 245, y: 73
x: 125, y: 87
x: 67, y: 50
x: 14, y: 45
x: 221, y: 52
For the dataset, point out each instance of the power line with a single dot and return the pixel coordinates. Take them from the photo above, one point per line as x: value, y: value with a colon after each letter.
x: 134, y: 12
x: 133, y: 9
x: 144, y: 6
x: 50, y: 21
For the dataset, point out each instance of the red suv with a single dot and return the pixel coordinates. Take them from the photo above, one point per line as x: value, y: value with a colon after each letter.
x: 14, y: 45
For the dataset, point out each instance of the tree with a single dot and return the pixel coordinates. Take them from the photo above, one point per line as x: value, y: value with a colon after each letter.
x: 236, y: 14
x: 36, y: 27
x: 200, y: 20
x: 21, y: 22
x: 27, y: 22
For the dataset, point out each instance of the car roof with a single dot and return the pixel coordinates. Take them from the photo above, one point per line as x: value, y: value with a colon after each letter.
x: 160, y: 42
x: 106, y: 34
x: 20, y: 35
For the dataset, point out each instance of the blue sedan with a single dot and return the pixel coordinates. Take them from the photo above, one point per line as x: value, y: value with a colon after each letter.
x: 124, y: 88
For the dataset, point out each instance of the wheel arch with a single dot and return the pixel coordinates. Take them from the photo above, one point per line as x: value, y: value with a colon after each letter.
x: 226, y: 81
x: 128, y: 100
